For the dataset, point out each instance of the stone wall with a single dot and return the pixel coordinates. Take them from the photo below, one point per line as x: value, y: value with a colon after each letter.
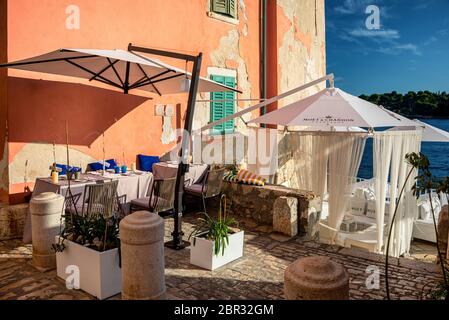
x: 257, y: 202
x: 12, y: 220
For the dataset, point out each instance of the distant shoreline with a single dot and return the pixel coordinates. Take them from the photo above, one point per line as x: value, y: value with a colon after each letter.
x: 427, y: 117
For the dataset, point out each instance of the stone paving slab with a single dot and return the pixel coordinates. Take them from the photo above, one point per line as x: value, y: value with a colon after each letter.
x: 257, y: 275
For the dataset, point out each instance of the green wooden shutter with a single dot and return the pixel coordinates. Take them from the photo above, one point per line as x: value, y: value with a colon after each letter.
x: 227, y: 7
x: 221, y: 109
x: 220, y: 6
x: 233, y: 8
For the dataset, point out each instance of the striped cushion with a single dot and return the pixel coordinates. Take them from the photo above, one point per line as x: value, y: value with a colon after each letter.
x: 229, y: 176
x: 247, y: 177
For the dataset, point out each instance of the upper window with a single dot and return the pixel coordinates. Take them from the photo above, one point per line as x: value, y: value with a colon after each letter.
x: 225, y: 7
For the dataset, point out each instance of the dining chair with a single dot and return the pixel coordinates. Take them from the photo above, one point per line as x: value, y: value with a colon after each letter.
x: 100, y: 199
x: 73, y: 207
x: 161, y: 197
x: 210, y: 186
x: 70, y: 203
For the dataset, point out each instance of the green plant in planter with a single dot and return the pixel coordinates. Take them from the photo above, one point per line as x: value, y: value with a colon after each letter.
x: 216, y: 230
x: 92, y: 231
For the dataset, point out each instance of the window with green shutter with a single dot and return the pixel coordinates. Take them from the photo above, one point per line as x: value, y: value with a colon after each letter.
x: 225, y: 7
x: 220, y: 109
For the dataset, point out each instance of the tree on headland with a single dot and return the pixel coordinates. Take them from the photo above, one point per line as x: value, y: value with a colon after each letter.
x: 413, y: 104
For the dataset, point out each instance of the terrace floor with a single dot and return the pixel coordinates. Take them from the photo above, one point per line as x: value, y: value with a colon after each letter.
x: 257, y: 275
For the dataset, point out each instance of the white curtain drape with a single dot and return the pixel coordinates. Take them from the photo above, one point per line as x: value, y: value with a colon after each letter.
x: 411, y: 144
x: 390, y: 148
x: 312, y: 161
x: 345, y: 155
x: 337, y: 155
x: 382, y: 147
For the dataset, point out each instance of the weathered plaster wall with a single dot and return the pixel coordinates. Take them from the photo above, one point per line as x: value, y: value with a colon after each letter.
x: 237, y: 50
x: 302, y: 59
x: 39, y: 26
x: 40, y: 104
x: 3, y: 105
x: 302, y: 51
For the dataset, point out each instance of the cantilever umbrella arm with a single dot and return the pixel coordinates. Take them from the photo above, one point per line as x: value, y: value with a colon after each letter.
x: 329, y: 77
x: 177, y: 243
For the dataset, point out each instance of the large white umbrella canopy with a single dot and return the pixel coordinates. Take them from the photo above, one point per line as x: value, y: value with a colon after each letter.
x: 333, y: 107
x: 430, y: 133
x: 333, y: 129
x: 122, y: 69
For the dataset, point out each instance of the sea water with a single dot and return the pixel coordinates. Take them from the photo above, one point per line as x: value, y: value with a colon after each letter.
x: 437, y: 152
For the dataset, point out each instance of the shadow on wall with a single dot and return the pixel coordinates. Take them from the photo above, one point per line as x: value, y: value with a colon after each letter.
x: 38, y: 110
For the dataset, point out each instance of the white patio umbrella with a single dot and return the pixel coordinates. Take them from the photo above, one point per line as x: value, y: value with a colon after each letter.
x: 327, y: 128
x: 121, y: 69
x: 429, y: 134
x: 333, y: 107
x: 432, y: 134
x: 127, y: 70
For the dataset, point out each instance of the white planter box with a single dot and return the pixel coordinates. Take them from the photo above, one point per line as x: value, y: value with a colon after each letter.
x: 99, y: 272
x: 202, y: 252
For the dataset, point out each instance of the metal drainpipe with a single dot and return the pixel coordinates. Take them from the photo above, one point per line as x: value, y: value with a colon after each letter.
x: 263, y: 40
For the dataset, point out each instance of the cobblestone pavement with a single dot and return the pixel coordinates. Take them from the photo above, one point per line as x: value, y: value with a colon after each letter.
x: 257, y: 275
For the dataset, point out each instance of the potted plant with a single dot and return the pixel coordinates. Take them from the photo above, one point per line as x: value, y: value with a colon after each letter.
x: 216, y: 242
x: 90, y: 243
x: 425, y: 182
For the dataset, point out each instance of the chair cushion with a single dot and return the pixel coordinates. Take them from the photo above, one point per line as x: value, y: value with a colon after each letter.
x: 247, y: 177
x: 146, y: 162
x: 110, y: 164
x: 64, y: 167
x: 161, y: 203
x: 229, y: 176
x: 426, y: 209
x: 141, y: 202
x: 195, y: 189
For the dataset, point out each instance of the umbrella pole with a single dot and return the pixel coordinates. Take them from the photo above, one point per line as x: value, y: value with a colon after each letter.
x: 177, y: 243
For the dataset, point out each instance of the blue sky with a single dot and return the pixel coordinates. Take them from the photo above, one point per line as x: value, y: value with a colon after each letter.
x: 409, y: 51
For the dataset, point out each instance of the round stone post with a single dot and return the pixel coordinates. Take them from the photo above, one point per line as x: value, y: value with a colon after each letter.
x: 443, y: 232
x: 45, y: 209
x: 142, y: 250
x: 316, y: 278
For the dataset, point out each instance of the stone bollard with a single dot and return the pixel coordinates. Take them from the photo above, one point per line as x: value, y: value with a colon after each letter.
x: 285, y: 216
x: 443, y: 231
x: 316, y: 278
x: 142, y: 250
x: 45, y: 209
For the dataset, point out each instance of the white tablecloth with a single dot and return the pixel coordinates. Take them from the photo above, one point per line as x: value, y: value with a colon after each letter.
x: 132, y: 185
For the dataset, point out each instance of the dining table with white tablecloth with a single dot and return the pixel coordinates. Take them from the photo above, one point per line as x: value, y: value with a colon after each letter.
x: 132, y: 184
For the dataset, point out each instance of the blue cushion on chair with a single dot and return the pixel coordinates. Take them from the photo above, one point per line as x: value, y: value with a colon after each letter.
x: 146, y: 162
x: 63, y: 168
x: 94, y: 166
